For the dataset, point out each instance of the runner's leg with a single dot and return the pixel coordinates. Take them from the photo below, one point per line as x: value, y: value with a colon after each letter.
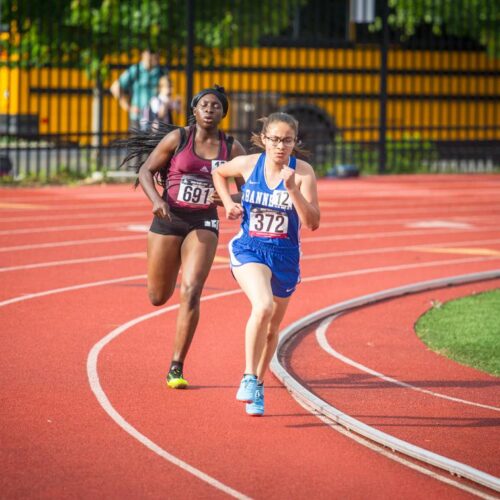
x: 197, y: 254
x: 255, y: 281
x: 279, y: 310
x: 164, y: 260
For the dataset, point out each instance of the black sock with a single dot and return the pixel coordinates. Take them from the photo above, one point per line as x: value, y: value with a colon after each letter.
x: 176, y: 365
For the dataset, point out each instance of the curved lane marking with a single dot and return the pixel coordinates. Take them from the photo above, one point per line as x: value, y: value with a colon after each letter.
x: 36, y: 295
x: 324, y: 344
x: 317, y: 404
x: 313, y: 239
x: 370, y: 251
x: 356, y: 272
x: 452, y: 222
x: 103, y: 400
x: 68, y: 262
x: 380, y: 449
x: 92, y: 359
x: 70, y: 243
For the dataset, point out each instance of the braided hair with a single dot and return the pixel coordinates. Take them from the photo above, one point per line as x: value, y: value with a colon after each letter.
x: 141, y: 143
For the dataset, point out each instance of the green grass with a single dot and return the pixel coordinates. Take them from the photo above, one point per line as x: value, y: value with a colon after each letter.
x: 466, y: 330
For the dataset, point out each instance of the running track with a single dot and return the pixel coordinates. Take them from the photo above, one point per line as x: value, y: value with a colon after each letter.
x: 85, y: 412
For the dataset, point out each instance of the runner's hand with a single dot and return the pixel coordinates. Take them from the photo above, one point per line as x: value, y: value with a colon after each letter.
x: 161, y: 210
x: 215, y: 198
x: 234, y: 211
x: 288, y: 175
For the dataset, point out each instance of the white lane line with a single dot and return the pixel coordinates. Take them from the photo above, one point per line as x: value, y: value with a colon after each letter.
x: 433, y: 223
x: 325, y: 345
x: 399, y: 267
x: 103, y: 400
x: 356, y: 272
x: 392, y: 456
x: 80, y: 215
x: 69, y: 243
x: 86, y: 260
x: 345, y: 207
x: 92, y: 363
x: 369, y: 251
x: 71, y: 288
x: 452, y: 222
x: 392, y: 234
x: 72, y: 205
x: 75, y: 227
x: 223, y: 246
x: 313, y: 239
x: 316, y: 404
x: 450, y: 219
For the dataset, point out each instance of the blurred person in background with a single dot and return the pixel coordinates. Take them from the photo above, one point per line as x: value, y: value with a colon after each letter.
x: 135, y: 87
x: 161, y: 107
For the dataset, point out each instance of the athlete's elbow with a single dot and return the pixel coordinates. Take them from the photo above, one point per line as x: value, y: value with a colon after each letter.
x: 314, y: 221
x: 312, y: 224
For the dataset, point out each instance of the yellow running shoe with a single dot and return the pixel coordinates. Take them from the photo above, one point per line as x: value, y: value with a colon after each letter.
x: 175, y: 379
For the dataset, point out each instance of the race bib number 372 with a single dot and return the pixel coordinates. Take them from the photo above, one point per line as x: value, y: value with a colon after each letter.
x: 194, y: 191
x: 268, y: 223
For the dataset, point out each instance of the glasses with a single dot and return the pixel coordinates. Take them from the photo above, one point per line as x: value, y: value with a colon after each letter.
x: 287, y: 141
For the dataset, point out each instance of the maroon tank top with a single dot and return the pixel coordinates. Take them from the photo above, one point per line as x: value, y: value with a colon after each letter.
x: 189, y: 178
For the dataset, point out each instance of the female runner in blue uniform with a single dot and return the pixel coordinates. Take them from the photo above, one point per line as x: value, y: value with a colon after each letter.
x: 185, y: 227
x: 278, y: 196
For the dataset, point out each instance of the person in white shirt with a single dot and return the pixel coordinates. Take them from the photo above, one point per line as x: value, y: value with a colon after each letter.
x: 161, y: 106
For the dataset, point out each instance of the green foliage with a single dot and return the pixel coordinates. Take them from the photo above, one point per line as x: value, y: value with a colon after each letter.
x: 466, y: 330
x: 85, y: 33
x: 475, y: 19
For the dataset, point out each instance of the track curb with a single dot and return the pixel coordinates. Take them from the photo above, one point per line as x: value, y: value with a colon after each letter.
x: 320, y: 406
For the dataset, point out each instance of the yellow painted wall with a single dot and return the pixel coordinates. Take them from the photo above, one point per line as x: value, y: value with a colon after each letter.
x: 70, y: 113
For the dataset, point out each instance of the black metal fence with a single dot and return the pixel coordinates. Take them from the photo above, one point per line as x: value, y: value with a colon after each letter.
x: 382, y: 86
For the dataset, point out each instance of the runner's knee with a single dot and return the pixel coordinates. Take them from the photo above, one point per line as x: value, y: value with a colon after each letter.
x: 158, y: 297
x: 263, y: 311
x: 191, y: 294
x: 272, y: 332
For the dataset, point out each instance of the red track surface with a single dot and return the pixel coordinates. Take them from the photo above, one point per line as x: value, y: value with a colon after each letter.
x: 58, y: 440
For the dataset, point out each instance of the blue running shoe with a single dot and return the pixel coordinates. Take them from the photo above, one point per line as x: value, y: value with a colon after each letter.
x: 246, y: 392
x: 256, y: 409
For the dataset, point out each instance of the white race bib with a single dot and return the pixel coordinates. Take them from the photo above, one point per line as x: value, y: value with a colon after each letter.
x: 268, y: 223
x: 281, y: 199
x: 195, y: 191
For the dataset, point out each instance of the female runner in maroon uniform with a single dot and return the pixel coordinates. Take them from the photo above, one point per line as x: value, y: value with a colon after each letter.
x: 185, y: 227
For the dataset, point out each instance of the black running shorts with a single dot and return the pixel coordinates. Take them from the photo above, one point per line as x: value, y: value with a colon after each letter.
x: 184, y: 221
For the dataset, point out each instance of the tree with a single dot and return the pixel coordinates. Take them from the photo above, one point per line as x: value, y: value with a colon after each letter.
x: 88, y: 33
x: 475, y: 19
x: 91, y: 34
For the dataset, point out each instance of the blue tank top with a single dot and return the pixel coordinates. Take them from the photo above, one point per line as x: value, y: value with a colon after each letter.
x: 269, y: 216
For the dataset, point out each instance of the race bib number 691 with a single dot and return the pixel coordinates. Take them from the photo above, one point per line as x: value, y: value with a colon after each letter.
x: 194, y: 191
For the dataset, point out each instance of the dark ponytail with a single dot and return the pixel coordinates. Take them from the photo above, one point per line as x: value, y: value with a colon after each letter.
x: 140, y: 145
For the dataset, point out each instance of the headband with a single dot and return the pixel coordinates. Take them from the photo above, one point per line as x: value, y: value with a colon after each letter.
x: 217, y: 92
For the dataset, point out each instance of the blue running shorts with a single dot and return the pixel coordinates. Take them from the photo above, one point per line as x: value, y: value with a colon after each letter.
x: 284, y: 265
